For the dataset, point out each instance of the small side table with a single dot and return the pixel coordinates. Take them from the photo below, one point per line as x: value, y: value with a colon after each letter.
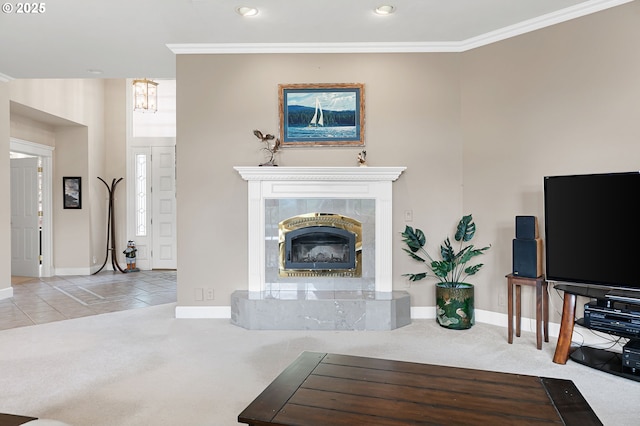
x: 542, y: 306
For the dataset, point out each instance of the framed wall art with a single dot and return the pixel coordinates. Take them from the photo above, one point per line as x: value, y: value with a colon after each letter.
x: 72, y: 192
x: 321, y: 114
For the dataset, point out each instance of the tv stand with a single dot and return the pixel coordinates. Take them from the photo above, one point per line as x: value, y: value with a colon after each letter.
x: 601, y: 359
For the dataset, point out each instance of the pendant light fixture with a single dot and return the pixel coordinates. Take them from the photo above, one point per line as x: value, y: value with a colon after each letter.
x: 145, y: 95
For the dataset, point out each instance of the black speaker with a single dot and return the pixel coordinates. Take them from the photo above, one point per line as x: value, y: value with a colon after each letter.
x: 526, y: 227
x: 527, y: 257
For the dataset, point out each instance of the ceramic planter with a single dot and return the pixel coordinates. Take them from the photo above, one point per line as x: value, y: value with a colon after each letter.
x: 454, y: 305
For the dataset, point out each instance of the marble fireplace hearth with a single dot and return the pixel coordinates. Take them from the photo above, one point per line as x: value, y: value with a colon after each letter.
x: 309, y: 311
x: 273, y: 301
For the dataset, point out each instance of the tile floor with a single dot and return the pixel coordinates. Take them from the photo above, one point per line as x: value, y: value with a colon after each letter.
x: 43, y: 300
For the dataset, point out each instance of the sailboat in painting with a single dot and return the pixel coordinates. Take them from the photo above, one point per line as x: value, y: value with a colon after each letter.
x: 317, y: 120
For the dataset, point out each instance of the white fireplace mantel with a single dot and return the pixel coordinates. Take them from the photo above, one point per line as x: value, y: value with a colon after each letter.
x: 320, y: 173
x: 320, y: 182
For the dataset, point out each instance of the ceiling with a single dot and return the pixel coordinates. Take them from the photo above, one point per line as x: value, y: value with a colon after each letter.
x: 140, y: 38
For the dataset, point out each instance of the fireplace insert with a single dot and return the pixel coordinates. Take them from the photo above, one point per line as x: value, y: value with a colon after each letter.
x: 320, y: 244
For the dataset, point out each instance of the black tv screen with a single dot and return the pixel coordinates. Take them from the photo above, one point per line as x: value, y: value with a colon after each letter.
x: 591, y: 229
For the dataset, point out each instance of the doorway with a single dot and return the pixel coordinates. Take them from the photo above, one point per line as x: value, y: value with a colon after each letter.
x: 31, y: 199
x: 151, y: 180
x: 151, y: 205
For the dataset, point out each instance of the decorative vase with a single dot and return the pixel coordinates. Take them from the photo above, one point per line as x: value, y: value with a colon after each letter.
x: 454, y: 305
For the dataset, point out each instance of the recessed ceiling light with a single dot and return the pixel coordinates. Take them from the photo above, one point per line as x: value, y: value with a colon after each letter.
x: 94, y: 71
x: 247, y: 11
x: 385, y: 9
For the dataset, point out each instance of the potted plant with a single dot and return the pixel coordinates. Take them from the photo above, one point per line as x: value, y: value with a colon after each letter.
x: 454, y: 296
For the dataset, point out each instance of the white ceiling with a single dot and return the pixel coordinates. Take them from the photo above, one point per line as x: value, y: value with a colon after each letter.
x: 140, y: 38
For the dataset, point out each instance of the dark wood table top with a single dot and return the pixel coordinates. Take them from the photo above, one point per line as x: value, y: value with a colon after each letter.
x: 329, y: 389
x: 14, y: 420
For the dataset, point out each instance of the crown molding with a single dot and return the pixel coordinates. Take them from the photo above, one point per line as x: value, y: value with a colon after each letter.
x: 543, y: 21
x: 523, y: 27
x: 352, y: 47
x: 5, y: 78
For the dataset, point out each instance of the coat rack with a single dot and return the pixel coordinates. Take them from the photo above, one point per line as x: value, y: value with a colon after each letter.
x: 111, y: 229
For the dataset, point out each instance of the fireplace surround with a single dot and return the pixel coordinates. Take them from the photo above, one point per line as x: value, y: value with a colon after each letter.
x: 362, y: 301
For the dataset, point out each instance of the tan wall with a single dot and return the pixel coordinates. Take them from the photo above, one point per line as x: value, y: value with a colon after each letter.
x: 562, y: 100
x: 29, y: 129
x: 115, y: 163
x: 477, y: 131
x: 555, y: 101
x: 71, y: 237
x: 67, y: 114
x: 5, y: 194
x: 74, y: 100
x: 412, y: 108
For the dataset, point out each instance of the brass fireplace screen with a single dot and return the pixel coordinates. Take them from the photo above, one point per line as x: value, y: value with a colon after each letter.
x: 320, y: 244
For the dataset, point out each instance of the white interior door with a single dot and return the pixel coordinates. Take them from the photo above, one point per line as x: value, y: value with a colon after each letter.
x: 163, y: 196
x: 25, y: 234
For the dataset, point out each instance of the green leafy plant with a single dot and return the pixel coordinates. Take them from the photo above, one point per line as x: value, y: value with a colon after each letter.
x: 452, y: 269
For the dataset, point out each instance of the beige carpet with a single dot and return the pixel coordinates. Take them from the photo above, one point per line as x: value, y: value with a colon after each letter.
x: 144, y: 367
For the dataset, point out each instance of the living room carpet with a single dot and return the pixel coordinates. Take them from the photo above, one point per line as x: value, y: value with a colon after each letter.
x: 145, y: 367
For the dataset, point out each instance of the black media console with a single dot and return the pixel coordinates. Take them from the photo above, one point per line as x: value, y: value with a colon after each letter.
x: 615, y: 312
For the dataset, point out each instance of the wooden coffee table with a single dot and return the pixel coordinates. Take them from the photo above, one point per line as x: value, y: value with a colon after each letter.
x: 329, y: 389
x: 14, y: 420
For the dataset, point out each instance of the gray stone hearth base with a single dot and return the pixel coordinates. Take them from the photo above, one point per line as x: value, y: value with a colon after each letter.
x: 386, y: 312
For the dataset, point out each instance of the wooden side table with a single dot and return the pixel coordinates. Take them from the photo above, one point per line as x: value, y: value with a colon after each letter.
x: 542, y: 306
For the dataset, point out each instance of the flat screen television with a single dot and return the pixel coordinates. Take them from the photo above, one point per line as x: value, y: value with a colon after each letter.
x: 592, y: 230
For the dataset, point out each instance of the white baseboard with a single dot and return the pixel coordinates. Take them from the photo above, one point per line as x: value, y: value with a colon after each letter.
x: 526, y: 324
x: 6, y: 293
x: 487, y: 317
x: 423, y: 312
x: 109, y: 268
x: 580, y: 336
x: 85, y: 271
x: 211, y: 312
x: 417, y: 312
x: 72, y: 271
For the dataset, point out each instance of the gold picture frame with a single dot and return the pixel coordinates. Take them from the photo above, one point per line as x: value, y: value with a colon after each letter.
x: 325, y: 114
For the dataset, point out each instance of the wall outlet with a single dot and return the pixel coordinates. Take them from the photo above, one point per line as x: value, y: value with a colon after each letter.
x: 210, y: 294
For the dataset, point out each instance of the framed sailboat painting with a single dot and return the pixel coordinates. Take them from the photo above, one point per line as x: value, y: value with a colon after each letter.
x: 321, y: 114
